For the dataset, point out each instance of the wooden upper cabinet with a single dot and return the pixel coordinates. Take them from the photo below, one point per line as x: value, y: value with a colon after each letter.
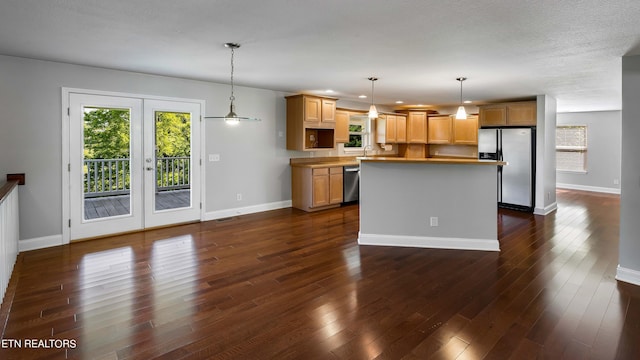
x: 522, y: 113
x: 342, y: 126
x: 391, y: 129
x: 401, y: 129
x: 312, y: 110
x: 386, y: 129
x: 311, y: 122
x: 509, y: 114
x: 417, y: 127
x: 493, y: 115
x: 328, y: 110
x: 439, y: 130
x: 465, y: 132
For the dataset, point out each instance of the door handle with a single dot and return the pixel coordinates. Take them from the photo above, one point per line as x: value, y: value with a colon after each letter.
x: 149, y: 168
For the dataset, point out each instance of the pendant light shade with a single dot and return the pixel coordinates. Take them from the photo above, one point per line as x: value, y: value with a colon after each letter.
x: 232, y: 118
x: 462, y: 113
x: 373, y: 112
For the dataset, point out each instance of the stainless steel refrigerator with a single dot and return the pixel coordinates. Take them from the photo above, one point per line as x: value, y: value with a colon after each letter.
x: 516, y: 180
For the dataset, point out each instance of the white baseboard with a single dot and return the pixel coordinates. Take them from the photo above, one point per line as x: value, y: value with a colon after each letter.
x: 547, y: 209
x: 220, y: 214
x: 588, y: 188
x: 628, y: 275
x: 39, y: 243
x: 429, y: 242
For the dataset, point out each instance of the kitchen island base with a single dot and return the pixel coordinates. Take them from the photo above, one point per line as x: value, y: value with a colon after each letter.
x: 429, y: 204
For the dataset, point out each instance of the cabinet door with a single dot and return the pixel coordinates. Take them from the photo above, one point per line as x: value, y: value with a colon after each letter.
x: 342, y: 126
x: 320, y: 187
x: 417, y: 128
x: 465, y: 132
x: 439, y: 130
x: 328, y: 111
x: 494, y: 115
x: 335, y: 185
x: 522, y: 114
x: 391, y: 129
x: 312, y: 109
x: 401, y: 129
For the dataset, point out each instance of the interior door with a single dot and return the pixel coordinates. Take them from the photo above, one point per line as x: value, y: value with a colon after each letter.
x: 105, y: 157
x: 171, y: 162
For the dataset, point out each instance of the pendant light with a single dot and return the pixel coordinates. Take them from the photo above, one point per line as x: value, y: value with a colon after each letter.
x: 462, y: 113
x: 373, y: 112
x: 232, y: 118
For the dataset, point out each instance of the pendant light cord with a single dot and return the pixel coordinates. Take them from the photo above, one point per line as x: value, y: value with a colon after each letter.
x: 372, y: 82
x: 232, y: 97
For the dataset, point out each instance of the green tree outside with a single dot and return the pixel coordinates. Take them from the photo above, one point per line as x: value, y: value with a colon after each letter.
x: 106, y: 136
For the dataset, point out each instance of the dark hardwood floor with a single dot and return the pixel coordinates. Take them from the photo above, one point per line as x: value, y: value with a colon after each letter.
x: 286, y: 284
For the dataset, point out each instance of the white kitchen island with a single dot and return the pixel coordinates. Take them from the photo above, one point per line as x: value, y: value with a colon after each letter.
x: 430, y: 203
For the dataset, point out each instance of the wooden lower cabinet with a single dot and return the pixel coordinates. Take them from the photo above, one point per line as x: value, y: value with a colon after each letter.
x: 315, y: 189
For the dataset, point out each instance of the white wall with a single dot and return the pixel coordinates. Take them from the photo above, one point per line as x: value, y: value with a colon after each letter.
x: 629, y: 259
x: 603, y: 151
x: 254, y: 161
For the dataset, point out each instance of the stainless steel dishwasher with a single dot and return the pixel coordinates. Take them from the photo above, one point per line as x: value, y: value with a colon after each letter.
x: 351, y: 183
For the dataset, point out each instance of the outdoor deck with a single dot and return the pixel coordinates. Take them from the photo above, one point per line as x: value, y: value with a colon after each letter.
x: 119, y: 204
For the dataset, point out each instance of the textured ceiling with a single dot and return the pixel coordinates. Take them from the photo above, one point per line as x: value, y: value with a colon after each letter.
x: 570, y: 50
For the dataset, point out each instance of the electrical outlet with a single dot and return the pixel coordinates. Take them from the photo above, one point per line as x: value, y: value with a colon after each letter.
x: 433, y: 221
x: 239, y: 196
x: 616, y: 181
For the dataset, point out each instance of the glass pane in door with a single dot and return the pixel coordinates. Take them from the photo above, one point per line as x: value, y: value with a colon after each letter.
x: 173, y: 160
x: 106, y: 162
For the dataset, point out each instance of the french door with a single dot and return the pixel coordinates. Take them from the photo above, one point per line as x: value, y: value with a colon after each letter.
x: 134, y: 163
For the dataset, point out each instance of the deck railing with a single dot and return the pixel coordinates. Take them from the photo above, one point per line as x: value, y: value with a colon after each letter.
x: 110, y: 177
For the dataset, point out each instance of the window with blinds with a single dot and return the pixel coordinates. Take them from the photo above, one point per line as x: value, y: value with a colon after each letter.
x: 571, y: 148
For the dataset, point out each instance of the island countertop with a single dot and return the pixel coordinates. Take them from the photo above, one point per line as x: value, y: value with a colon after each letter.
x: 457, y: 161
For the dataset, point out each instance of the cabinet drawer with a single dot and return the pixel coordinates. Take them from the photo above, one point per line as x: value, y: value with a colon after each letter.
x: 320, y: 171
x: 336, y: 170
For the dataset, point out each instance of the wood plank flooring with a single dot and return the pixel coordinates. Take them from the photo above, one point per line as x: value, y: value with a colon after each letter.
x: 286, y: 284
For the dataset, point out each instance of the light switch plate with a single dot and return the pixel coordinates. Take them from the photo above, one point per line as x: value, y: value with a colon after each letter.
x: 214, y: 157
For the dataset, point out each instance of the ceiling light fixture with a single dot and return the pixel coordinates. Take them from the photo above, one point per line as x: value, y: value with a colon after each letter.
x: 373, y: 112
x: 462, y: 113
x: 232, y: 118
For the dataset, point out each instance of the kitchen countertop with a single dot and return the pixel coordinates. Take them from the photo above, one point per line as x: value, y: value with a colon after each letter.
x: 323, y: 162
x: 432, y: 160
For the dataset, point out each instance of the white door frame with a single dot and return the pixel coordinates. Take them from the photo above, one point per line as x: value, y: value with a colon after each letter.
x: 65, y: 118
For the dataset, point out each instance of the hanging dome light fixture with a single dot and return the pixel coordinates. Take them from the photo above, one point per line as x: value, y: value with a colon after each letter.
x: 232, y: 118
x: 462, y: 113
x: 373, y: 112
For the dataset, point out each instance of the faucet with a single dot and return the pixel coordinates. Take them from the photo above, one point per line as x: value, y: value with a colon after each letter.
x: 368, y: 147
